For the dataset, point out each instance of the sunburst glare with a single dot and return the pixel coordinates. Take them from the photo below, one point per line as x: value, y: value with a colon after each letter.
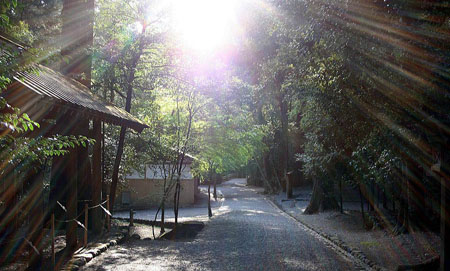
x: 204, y: 25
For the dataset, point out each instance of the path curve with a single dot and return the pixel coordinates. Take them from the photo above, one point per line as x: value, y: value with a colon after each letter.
x: 246, y: 233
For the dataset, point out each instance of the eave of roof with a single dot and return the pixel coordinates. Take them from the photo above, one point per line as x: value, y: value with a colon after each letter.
x: 51, y: 84
x: 48, y: 83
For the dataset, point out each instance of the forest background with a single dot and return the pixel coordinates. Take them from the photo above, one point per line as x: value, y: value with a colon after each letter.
x: 336, y: 92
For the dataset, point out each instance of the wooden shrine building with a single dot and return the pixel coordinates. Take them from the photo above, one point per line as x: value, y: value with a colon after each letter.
x: 62, y: 106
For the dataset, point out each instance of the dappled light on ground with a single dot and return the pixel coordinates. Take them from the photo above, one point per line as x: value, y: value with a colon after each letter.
x: 249, y: 235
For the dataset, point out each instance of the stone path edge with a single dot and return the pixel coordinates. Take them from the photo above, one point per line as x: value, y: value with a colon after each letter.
x: 82, y: 258
x: 334, y: 240
x: 169, y: 225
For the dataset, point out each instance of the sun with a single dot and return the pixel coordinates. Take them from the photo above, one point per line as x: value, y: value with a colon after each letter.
x: 204, y: 25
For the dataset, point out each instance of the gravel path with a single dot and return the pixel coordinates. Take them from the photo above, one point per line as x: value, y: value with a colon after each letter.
x: 246, y: 233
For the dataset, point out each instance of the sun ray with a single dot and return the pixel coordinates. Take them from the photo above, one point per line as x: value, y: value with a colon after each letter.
x: 204, y: 25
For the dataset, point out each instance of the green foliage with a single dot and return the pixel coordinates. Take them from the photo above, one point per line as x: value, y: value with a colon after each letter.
x: 41, y: 148
x: 340, y: 98
x: 169, y: 99
x: 375, y: 160
x: 360, y: 101
x: 16, y: 148
x: 123, y: 59
x: 5, y: 7
x: 227, y: 145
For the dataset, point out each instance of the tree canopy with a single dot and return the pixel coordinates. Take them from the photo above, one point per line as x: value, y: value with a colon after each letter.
x: 334, y: 91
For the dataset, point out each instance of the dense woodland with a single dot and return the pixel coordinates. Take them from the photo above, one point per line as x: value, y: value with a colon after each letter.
x: 350, y: 93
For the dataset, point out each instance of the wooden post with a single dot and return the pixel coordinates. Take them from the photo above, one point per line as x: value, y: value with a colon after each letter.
x: 52, y: 234
x: 35, y: 201
x: 289, y: 181
x: 72, y: 201
x: 71, y: 226
x: 85, y: 224
x: 340, y: 195
x: 445, y: 227
x: 131, y: 217
x: 96, y: 213
x: 108, y: 218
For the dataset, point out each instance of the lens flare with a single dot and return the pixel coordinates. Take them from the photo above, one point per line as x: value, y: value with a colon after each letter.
x: 204, y: 25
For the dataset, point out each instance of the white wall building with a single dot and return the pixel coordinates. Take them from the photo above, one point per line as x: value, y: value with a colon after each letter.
x: 146, y: 189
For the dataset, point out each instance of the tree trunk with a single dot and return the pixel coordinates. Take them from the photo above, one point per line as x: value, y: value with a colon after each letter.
x: 215, y: 189
x: 163, y: 207
x: 319, y: 199
x: 77, y: 38
x: 403, y: 210
x: 131, y: 77
x: 372, y: 197
x: 176, y: 199
x: 209, y: 200
x: 180, y: 160
x: 268, y: 185
x: 378, y: 196
x: 162, y: 218
x: 284, y: 143
x: 361, y: 198
x: 268, y: 172
x: 316, y: 203
x: 115, y: 175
